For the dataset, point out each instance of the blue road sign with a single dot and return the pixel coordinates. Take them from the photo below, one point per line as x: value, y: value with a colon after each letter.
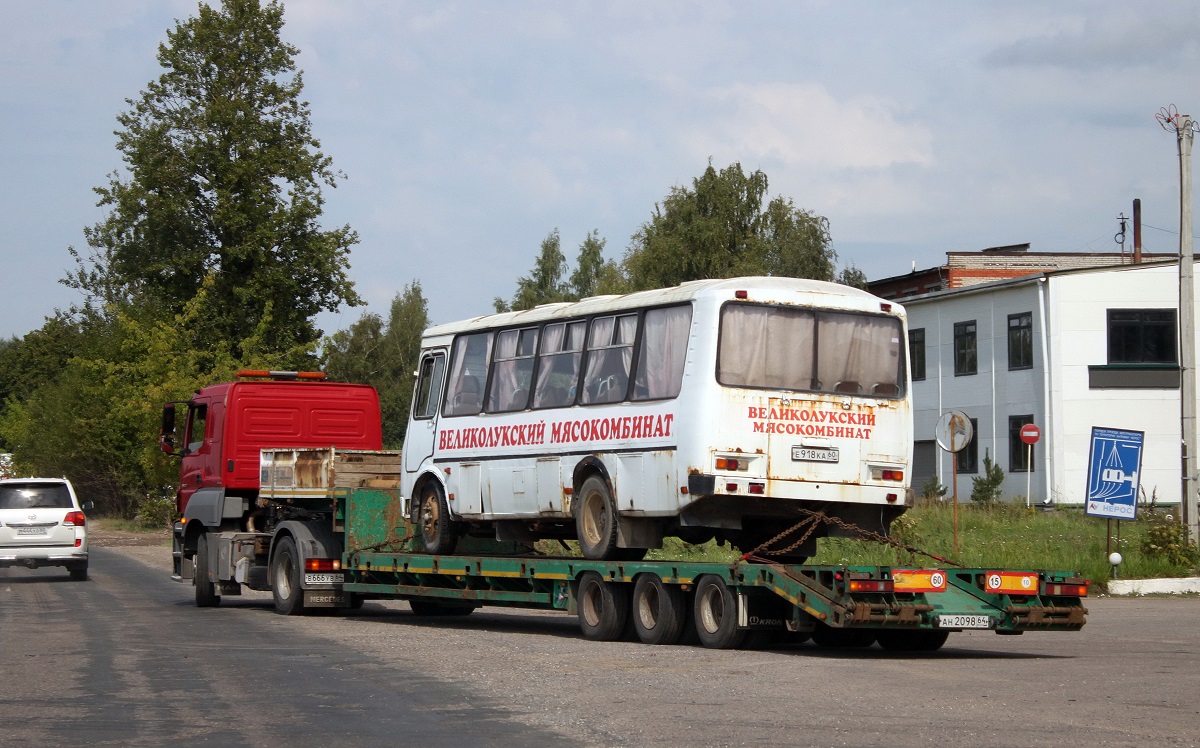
x: 1114, y: 473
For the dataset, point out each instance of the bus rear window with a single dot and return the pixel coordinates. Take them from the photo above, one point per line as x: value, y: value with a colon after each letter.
x: 787, y: 348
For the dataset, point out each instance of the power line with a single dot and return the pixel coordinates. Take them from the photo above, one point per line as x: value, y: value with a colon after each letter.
x: 1166, y: 231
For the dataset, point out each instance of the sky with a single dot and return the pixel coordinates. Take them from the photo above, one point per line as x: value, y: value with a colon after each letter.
x: 468, y: 131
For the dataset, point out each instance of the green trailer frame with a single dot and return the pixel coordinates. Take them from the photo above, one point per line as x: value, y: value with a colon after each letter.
x: 901, y: 607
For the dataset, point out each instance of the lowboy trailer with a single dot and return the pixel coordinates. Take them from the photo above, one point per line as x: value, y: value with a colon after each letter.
x: 344, y: 536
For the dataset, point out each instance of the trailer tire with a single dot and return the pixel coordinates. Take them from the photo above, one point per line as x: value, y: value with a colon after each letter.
x: 912, y: 641
x: 659, y: 610
x: 603, y: 607
x: 433, y: 523
x: 715, y: 614
x: 286, y: 590
x: 206, y: 589
x: 828, y: 637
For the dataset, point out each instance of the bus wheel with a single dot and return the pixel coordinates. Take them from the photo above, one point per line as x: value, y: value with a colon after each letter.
x: 715, y: 614
x: 286, y: 591
x: 659, y: 610
x: 827, y: 637
x: 433, y: 522
x: 912, y: 641
x: 596, y: 521
x: 206, y: 590
x: 603, y: 607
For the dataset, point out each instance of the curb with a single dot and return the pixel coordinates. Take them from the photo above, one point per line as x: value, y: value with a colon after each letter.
x: 1182, y: 586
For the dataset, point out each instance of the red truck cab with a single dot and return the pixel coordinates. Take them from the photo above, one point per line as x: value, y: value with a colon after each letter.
x: 226, y: 425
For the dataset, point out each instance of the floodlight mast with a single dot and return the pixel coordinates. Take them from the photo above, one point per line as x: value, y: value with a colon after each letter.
x: 1185, y: 130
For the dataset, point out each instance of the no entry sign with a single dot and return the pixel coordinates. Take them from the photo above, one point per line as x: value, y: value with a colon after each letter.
x: 1030, y: 433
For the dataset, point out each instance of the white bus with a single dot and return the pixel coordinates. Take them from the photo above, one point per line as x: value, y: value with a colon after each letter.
x: 715, y: 409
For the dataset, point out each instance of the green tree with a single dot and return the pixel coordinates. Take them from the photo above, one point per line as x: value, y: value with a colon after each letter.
x: 986, y: 488
x: 594, y: 275
x: 224, y: 182
x: 852, y: 276
x: 723, y: 226
x: 211, y: 259
x: 545, y: 283
x: 384, y: 356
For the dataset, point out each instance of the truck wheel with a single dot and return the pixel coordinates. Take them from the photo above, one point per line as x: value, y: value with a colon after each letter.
x: 603, y: 608
x: 827, y: 637
x: 912, y: 641
x: 596, y: 521
x: 78, y: 572
x: 433, y: 522
x: 285, y: 579
x: 659, y: 610
x: 206, y: 590
x: 715, y: 613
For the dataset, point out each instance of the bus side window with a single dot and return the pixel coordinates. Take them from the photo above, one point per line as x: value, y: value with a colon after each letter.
x: 662, y: 352
x: 610, y: 351
x: 558, y: 364
x: 429, y: 386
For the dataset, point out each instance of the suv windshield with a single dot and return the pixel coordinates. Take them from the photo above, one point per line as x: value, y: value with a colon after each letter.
x: 34, y: 496
x: 790, y: 348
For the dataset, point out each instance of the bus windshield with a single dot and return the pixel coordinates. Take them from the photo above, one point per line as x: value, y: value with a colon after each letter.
x: 798, y: 349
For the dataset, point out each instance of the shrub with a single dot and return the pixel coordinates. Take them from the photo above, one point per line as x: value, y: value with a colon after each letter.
x: 1167, y: 539
x: 931, y: 490
x: 156, y: 511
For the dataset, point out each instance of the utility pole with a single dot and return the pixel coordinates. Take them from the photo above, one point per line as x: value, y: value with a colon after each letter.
x: 1185, y: 130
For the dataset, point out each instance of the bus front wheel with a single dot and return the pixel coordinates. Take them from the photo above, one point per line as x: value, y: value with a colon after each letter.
x: 433, y: 522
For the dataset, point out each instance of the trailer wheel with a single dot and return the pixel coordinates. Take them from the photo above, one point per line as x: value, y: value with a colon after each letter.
x: 827, y: 637
x: 715, y: 614
x: 659, y: 610
x: 285, y: 579
x: 206, y: 590
x: 596, y: 521
x: 912, y: 641
x: 603, y: 607
x: 432, y: 519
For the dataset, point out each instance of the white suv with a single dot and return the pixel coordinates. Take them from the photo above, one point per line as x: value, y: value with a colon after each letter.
x: 42, y: 524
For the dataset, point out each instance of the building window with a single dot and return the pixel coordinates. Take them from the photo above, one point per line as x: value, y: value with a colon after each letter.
x: 916, y: 352
x: 1018, y: 451
x: 964, y: 348
x: 1020, y: 341
x: 1141, y: 336
x: 968, y: 456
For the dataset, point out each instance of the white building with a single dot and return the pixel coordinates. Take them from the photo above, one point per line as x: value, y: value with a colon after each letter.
x: 1066, y: 350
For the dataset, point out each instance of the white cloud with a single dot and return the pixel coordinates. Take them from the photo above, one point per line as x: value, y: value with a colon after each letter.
x: 804, y: 125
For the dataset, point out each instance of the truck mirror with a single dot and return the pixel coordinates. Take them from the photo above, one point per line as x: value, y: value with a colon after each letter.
x: 166, y: 438
x: 168, y: 419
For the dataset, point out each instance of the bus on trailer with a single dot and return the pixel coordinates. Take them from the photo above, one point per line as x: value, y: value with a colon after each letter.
x: 730, y: 409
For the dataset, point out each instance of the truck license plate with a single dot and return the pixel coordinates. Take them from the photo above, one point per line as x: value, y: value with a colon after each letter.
x: 322, y: 578
x: 964, y: 622
x: 814, y: 454
x: 31, y: 531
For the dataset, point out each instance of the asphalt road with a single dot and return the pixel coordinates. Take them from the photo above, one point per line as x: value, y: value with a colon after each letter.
x: 126, y: 658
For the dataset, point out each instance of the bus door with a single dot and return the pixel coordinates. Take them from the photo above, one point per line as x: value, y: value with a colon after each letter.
x: 422, y: 426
